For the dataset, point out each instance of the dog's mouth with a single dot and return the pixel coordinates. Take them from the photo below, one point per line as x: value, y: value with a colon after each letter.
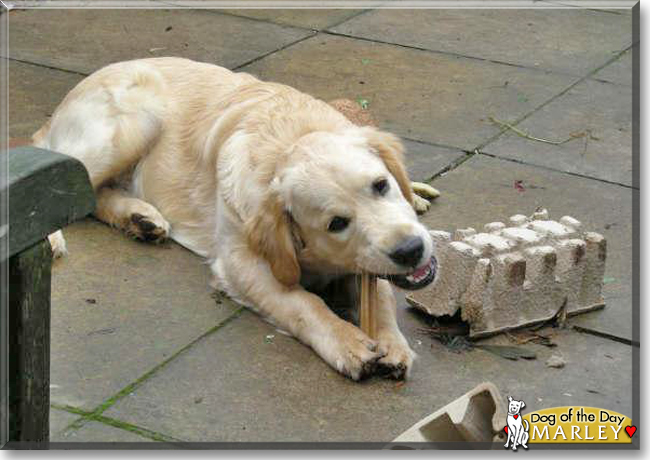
x: 417, y: 279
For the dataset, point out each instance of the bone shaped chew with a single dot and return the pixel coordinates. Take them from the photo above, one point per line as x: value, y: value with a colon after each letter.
x: 368, y: 305
x: 515, y: 275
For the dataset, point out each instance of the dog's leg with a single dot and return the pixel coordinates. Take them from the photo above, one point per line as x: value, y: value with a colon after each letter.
x: 294, y: 310
x: 137, y: 218
x: 392, y: 343
x: 108, y: 127
x: 509, y: 435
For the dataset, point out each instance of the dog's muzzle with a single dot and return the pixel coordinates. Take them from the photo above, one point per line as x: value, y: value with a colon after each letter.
x: 417, y: 279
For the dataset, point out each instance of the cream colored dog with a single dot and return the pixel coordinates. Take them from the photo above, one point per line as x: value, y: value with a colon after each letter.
x: 278, y: 190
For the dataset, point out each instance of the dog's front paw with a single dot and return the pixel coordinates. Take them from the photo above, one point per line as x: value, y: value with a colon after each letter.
x: 353, y: 353
x: 420, y: 204
x: 152, y: 228
x: 398, y: 356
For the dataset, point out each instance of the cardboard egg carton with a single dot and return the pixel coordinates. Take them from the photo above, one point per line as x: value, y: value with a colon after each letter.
x: 477, y: 418
x: 509, y: 276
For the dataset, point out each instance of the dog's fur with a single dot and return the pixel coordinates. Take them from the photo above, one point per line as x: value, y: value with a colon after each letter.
x: 249, y: 175
x: 517, y: 426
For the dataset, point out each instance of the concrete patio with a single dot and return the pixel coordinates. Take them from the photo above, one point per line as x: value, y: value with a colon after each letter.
x: 142, y: 350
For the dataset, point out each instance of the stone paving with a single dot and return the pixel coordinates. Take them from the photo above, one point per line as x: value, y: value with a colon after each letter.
x: 142, y: 350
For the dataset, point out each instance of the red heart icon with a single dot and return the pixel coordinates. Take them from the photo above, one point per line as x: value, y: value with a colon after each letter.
x: 516, y: 416
x: 630, y: 430
x: 505, y: 428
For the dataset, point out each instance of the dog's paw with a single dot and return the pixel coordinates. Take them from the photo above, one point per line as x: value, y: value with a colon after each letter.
x: 353, y: 353
x: 57, y: 243
x: 152, y: 227
x: 398, y: 357
x: 425, y: 190
x: 420, y: 204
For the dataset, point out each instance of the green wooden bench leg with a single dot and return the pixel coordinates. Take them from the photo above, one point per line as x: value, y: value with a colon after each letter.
x: 29, y: 346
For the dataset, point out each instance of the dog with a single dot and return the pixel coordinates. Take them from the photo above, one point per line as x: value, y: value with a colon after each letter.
x: 517, y: 426
x: 281, y: 193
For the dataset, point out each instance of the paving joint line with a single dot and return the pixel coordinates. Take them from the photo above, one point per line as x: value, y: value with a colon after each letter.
x: 556, y: 96
x: 46, y: 66
x: 432, y: 144
x: 108, y: 403
x: 452, y: 166
x: 548, y: 168
x: 265, y: 21
x: 606, y: 335
x: 349, y: 18
x: 447, y: 53
x: 115, y: 423
x: 131, y: 428
x: 312, y: 33
x: 284, y: 47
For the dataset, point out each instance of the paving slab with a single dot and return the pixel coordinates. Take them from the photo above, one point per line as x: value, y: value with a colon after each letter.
x: 99, y: 432
x: 311, y: 19
x: 94, y: 38
x: 482, y: 190
x: 121, y: 307
x: 568, y: 41
x: 424, y: 96
x: 59, y: 421
x: 34, y: 93
x: 619, y: 71
x: 423, y: 161
x: 247, y: 382
x: 602, y: 108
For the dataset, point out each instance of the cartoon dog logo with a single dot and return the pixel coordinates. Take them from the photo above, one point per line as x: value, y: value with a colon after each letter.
x: 516, y: 427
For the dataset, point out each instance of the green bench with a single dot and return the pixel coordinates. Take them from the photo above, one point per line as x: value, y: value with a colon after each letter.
x: 46, y: 191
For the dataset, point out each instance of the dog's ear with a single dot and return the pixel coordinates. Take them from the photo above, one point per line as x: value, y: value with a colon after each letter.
x: 509, y: 398
x: 269, y: 234
x: 523, y: 404
x: 391, y: 151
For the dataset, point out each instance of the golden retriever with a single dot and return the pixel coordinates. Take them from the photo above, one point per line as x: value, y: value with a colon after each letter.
x: 278, y: 190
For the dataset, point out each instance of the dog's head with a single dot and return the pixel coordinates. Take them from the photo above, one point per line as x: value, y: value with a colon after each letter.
x: 514, y: 407
x: 342, y: 204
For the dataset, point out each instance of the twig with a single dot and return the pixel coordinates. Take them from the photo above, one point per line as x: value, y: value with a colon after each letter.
x: 586, y: 134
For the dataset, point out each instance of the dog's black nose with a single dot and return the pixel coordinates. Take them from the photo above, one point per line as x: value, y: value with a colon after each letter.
x: 409, y: 252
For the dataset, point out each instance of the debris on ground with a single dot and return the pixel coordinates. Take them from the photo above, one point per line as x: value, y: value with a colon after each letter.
x: 508, y: 352
x: 531, y: 336
x: 354, y: 111
x: 586, y: 135
x: 453, y: 333
x: 556, y: 361
x: 269, y: 338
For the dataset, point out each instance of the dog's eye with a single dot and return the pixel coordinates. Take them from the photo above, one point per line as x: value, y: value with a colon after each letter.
x: 338, y: 224
x: 381, y: 186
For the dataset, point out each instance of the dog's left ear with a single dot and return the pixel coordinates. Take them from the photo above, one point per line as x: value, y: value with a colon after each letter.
x: 269, y: 234
x: 391, y: 151
x: 523, y: 404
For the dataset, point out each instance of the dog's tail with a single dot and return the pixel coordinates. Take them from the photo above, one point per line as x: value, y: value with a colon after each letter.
x: 527, y: 426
